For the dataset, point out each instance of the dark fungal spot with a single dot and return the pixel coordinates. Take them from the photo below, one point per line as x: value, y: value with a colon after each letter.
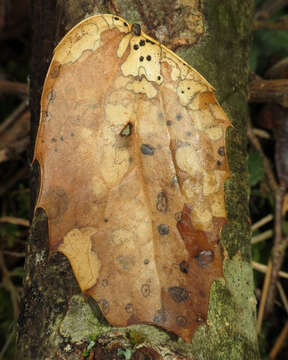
x: 178, y: 294
x: 147, y: 149
x: 169, y: 122
x: 141, y: 58
x: 145, y: 290
x: 136, y: 29
x: 54, y: 140
x: 162, y: 202
x: 159, y: 77
x: 188, y: 88
x: 104, y: 304
x: 204, y: 258
x: 146, y: 261
x: 178, y: 216
x: 163, y: 229
x: 104, y: 283
x: 129, y: 308
x: 178, y: 116
x: 42, y: 141
x: 116, y: 18
x: 136, y: 47
x: 218, y: 162
x: 148, y: 57
x: 182, y: 91
x: 184, y: 267
x: 221, y: 151
x: 105, y: 220
x: 142, y: 42
x: 72, y: 134
x: 127, y: 130
x: 160, y: 316
x: 181, y: 320
x: 125, y: 24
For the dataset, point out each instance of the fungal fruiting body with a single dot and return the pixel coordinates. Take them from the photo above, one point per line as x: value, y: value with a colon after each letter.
x: 131, y: 146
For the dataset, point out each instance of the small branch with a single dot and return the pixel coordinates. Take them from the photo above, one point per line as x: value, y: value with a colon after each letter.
x: 14, y: 220
x: 263, y: 269
x: 276, y: 25
x: 14, y: 253
x: 279, y: 342
x: 282, y: 296
x: 261, y: 237
x: 269, y: 8
x: 261, y: 133
x: 263, y: 91
x: 13, y: 88
x: 264, y: 297
x: 262, y: 222
x: 278, y: 250
x: 15, y: 114
x: 269, y: 173
x: 13, y: 150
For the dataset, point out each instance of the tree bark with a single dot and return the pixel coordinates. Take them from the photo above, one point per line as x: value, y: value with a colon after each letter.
x: 55, y: 320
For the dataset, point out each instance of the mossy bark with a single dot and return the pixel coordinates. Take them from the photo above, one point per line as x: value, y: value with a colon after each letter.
x: 56, y: 321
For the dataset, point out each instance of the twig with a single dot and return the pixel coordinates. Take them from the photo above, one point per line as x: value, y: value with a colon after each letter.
x: 264, y: 296
x: 14, y: 253
x: 282, y: 296
x: 261, y: 237
x: 262, y: 222
x: 15, y: 114
x: 13, y: 180
x: 13, y: 87
x: 269, y: 8
x: 14, y: 220
x: 8, y: 284
x: 279, y: 342
x: 14, y: 149
x: 271, y: 91
x: 275, y: 25
x: 269, y: 173
x: 278, y: 250
x: 261, y: 133
x: 263, y: 269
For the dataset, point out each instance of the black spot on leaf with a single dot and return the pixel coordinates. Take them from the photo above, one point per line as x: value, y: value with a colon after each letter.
x: 136, y: 29
x: 162, y: 202
x: 147, y: 149
x: 145, y: 290
x: 163, y: 229
x: 184, y: 267
x: 204, y: 258
x: 178, y: 294
x: 221, y: 151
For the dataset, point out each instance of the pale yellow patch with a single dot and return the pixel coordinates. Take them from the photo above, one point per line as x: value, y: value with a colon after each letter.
x: 212, y: 181
x: 202, y: 119
x: 121, y: 82
x: 188, y: 160
x: 142, y: 87
x: 150, y: 69
x: 187, y: 89
x: 123, y: 45
x: 117, y: 115
x: 217, y: 111
x: 122, y: 237
x: 202, y: 217
x: 86, y: 133
x: 191, y: 187
x: 215, y: 133
x: 99, y: 188
x: 114, y: 164
x: 85, y: 262
x: 218, y: 205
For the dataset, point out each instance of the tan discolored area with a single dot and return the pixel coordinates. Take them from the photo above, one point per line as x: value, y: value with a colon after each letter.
x: 131, y: 146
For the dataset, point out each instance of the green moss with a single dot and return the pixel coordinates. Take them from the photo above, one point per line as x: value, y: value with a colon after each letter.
x: 80, y: 323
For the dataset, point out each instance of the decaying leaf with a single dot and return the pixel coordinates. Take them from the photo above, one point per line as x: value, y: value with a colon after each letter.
x: 131, y: 146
